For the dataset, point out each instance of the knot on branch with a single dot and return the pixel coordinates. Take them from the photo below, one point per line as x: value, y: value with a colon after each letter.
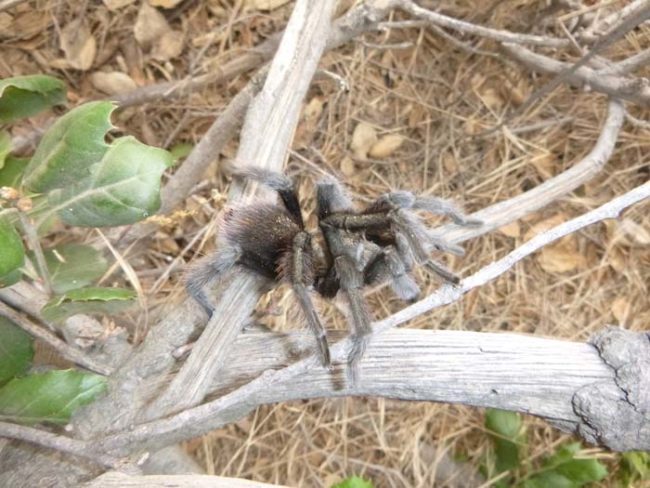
x: 616, y: 414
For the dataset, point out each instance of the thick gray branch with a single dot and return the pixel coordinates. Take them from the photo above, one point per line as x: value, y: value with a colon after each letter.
x: 266, y: 136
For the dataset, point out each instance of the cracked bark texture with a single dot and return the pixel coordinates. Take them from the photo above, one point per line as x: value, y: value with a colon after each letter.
x: 617, y: 414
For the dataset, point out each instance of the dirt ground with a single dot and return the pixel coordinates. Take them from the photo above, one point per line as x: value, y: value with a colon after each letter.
x: 435, y: 99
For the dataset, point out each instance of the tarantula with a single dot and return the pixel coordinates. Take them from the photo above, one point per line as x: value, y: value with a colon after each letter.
x: 382, y: 242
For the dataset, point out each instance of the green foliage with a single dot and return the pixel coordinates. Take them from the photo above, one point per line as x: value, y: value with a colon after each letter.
x: 16, y: 351
x: 635, y: 467
x: 354, y: 482
x: 564, y: 469
x: 48, y: 397
x: 74, y: 266
x: 505, y: 430
x: 181, y: 150
x: 88, y: 301
x: 124, y: 187
x: 12, y: 252
x: 12, y: 171
x: 70, y: 148
x: 24, y: 96
x: 5, y: 147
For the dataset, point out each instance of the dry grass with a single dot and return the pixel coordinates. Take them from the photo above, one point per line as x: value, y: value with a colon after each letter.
x: 440, y: 98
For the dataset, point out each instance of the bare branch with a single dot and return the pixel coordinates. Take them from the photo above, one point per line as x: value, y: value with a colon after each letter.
x: 635, y: 90
x: 121, y: 480
x: 57, y: 442
x: 67, y: 351
x: 477, y: 30
x: 510, y: 210
x: 627, y: 65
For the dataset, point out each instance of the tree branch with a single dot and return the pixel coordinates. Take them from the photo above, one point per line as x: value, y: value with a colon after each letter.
x: 633, y: 89
x: 67, y: 351
x: 56, y: 442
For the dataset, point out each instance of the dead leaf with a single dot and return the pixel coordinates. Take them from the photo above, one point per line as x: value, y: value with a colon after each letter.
x: 544, y: 164
x: 150, y: 25
x: 313, y: 109
x: 113, y: 82
x: 545, y: 225
x: 635, y: 233
x: 264, y: 4
x: 164, y: 3
x: 347, y: 166
x: 621, y: 310
x: 511, y: 230
x: 168, y: 46
x: 617, y: 259
x: 78, y: 44
x: 363, y: 138
x: 491, y: 98
x: 386, y: 146
x: 114, y: 5
x: 560, y: 259
x: 26, y: 25
x: 449, y: 162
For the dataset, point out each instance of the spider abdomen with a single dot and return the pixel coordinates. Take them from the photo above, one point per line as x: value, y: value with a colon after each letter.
x: 264, y: 233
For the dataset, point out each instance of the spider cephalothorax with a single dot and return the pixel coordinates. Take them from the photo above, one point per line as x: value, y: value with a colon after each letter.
x: 380, y: 243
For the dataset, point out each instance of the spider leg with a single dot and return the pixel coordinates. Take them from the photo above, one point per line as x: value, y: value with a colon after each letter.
x: 445, y: 207
x: 409, y: 242
x: 442, y: 271
x: 300, y: 281
x: 388, y: 265
x: 278, y: 182
x: 351, y: 283
x: 331, y: 198
x: 207, y: 271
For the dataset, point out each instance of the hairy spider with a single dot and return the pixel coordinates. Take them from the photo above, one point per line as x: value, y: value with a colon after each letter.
x: 382, y: 242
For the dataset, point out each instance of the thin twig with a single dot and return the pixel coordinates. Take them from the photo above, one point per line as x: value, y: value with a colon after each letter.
x: 478, y: 30
x: 35, y: 244
x: 631, y: 89
x: 67, y: 351
x: 58, y: 443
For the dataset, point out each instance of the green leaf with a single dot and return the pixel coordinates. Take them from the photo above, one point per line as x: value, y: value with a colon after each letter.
x: 48, y: 397
x: 505, y: 430
x: 124, y: 187
x: 12, y: 171
x: 5, y: 148
x: 74, y: 266
x: 181, y: 150
x: 24, y: 96
x: 638, y: 462
x: 12, y: 252
x: 16, y: 351
x: 354, y: 482
x: 563, y: 469
x: 550, y: 479
x: 89, y: 300
x: 11, y: 278
x: 70, y: 147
